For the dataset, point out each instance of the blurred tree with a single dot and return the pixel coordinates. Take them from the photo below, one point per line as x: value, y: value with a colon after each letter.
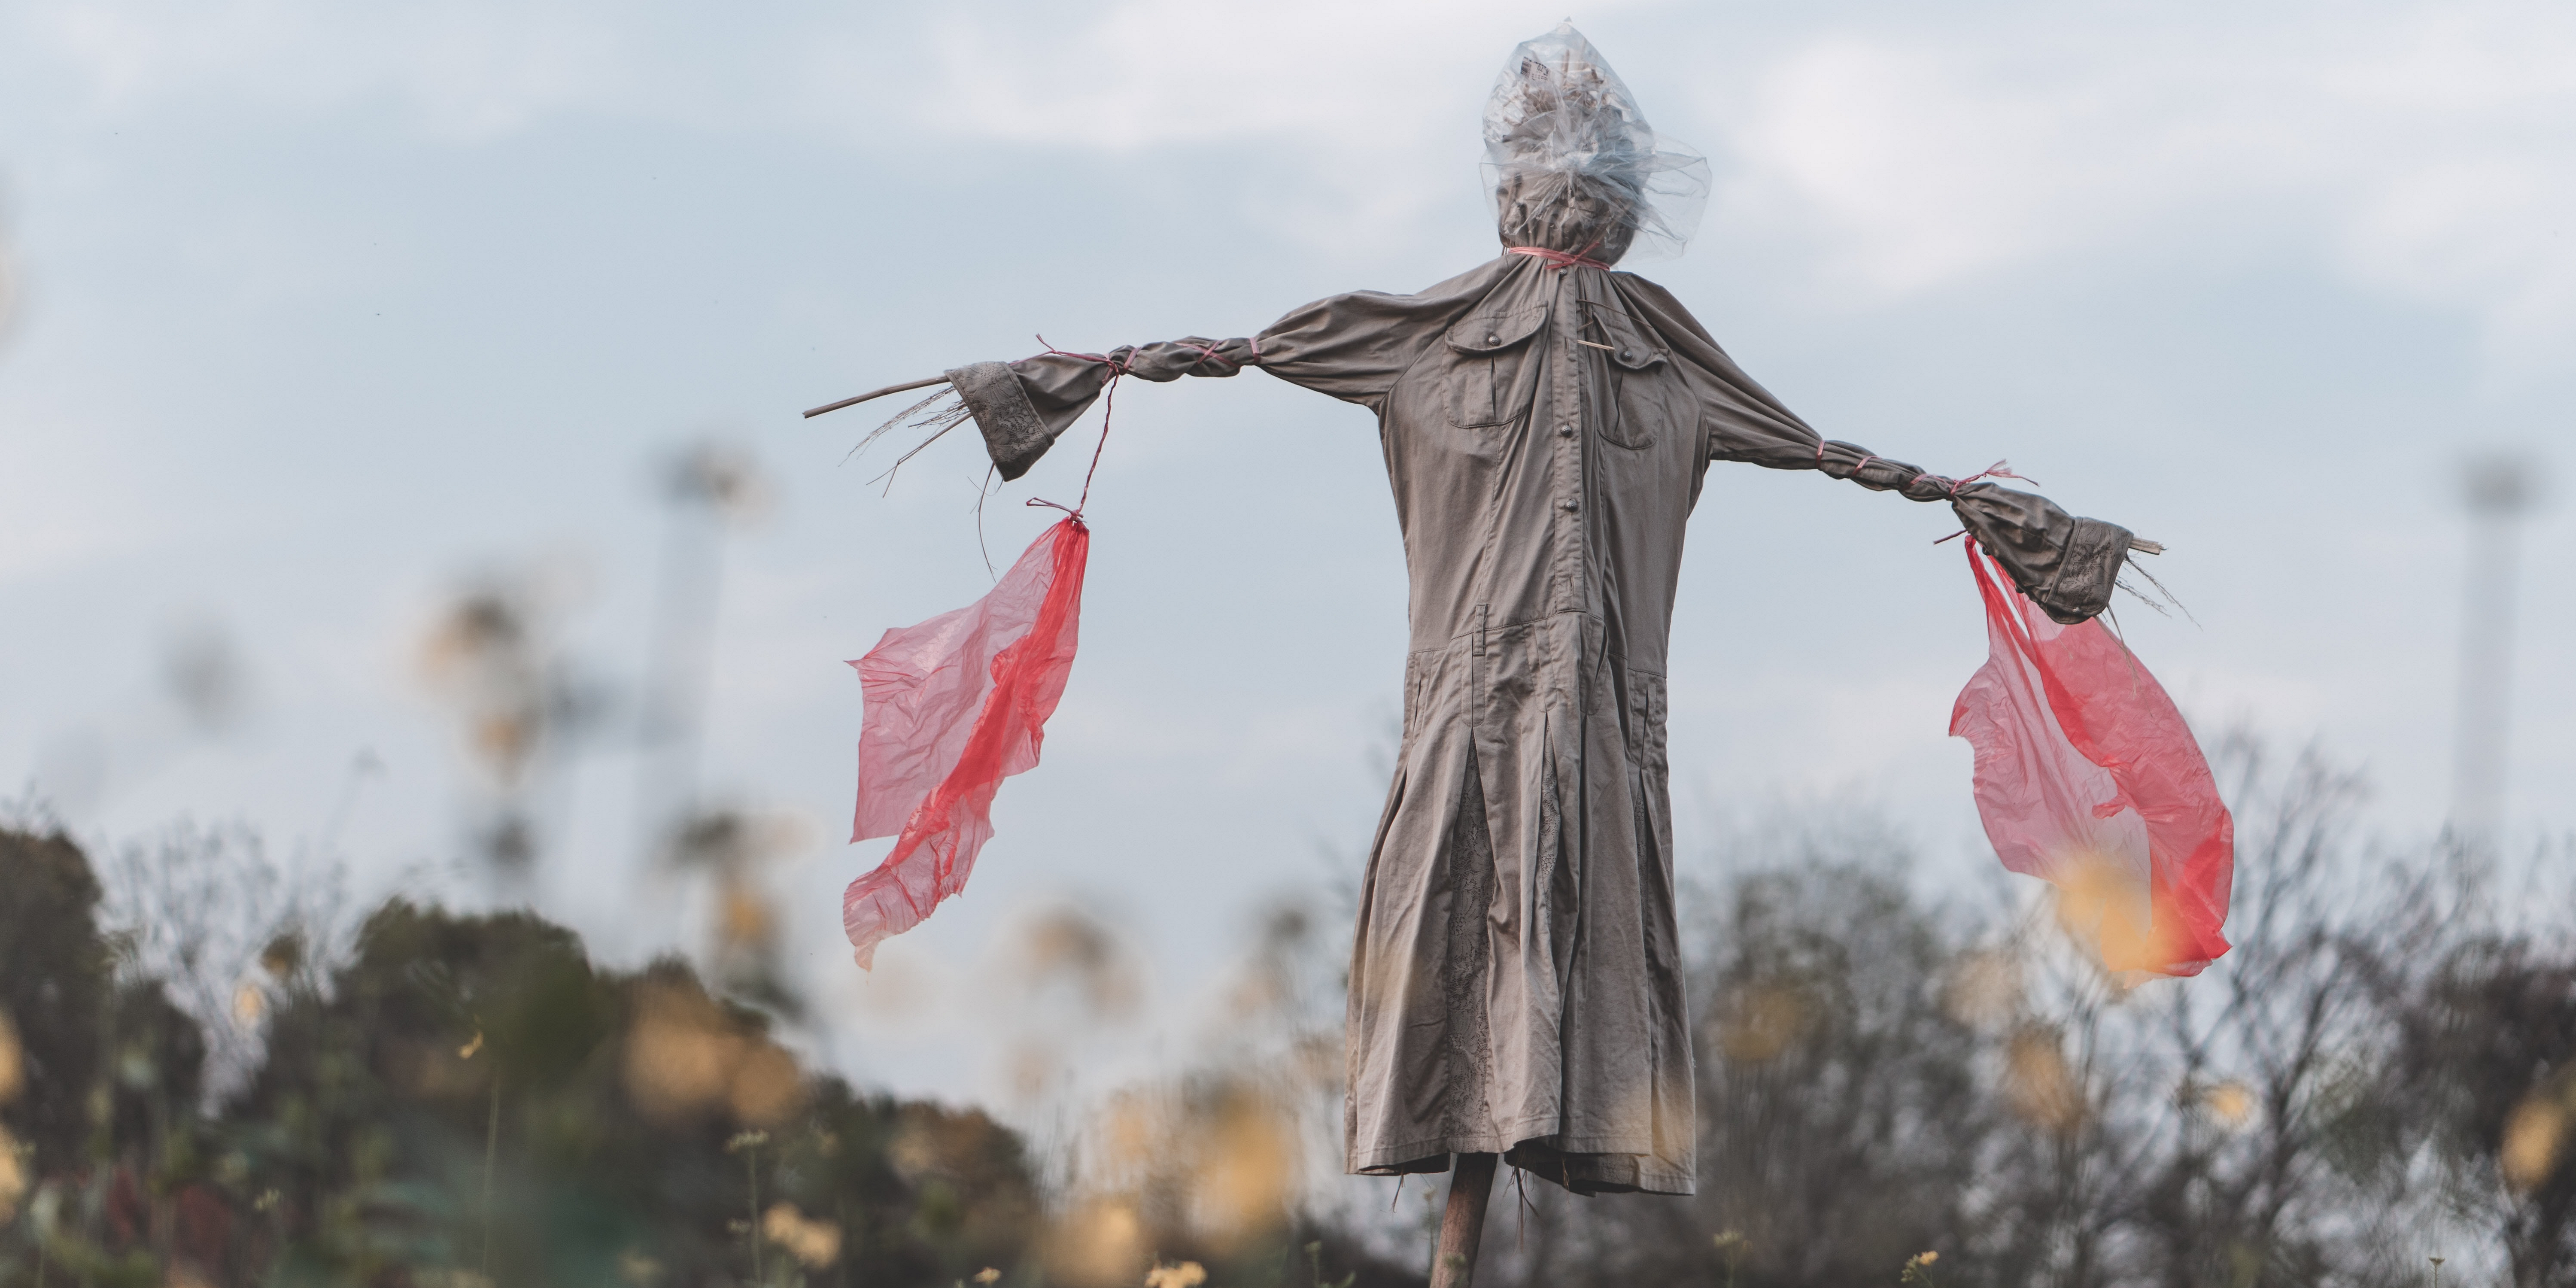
x: 2384, y: 1068
x: 2486, y: 1068
x: 2381, y: 1070
x: 463, y: 1100
x: 472, y: 1092
x: 107, y: 1078
x: 56, y: 973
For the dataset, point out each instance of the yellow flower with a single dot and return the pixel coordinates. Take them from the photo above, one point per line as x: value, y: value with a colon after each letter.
x: 636, y: 1268
x: 2533, y: 1138
x: 2231, y: 1103
x: 13, y: 1063
x: 1188, y: 1274
x: 13, y: 1178
x: 816, y: 1243
x: 249, y: 1004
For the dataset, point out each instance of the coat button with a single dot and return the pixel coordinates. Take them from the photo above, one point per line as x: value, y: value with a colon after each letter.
x: 1627, y: 355
x: 1493, y: 339
x: 1569, y: 506
x: 1565, y: 431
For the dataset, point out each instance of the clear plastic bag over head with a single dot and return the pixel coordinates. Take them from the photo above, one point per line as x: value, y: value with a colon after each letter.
x: 1571, y: 165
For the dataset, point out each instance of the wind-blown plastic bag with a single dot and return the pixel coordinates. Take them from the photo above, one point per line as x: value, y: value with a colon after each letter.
x: 2087, y: 777
x: 954, y: 706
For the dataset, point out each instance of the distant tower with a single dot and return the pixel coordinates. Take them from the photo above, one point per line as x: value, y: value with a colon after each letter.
x: 708, y: 487
x: 2499, y: 490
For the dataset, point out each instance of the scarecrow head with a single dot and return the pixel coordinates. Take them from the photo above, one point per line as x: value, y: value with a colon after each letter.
x: 1571, y: 165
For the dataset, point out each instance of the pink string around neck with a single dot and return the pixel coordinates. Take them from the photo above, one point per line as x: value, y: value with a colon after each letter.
x: 1557, y: 258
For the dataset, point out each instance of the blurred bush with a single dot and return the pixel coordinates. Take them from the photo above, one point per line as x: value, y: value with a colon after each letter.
x: 2383, y: 1071
x: 462, y: 1100
x: 1891, y: 1084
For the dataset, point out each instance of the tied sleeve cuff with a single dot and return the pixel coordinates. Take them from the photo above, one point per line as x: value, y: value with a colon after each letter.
x: 1190, y: 356
x: 2067, y: 564
x: 1023, y: 407
x: 1014, y: 436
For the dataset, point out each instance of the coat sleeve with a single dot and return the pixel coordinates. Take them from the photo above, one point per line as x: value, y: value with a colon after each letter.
x: 2067, y: 564
x: 1023, y: 407
x: 1353, y: 347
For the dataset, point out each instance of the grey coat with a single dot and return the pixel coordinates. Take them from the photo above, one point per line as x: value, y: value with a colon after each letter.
x: 1516, y: 982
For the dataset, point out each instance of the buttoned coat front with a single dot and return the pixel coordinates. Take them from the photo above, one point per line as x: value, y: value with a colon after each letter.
x: 1516, y: 980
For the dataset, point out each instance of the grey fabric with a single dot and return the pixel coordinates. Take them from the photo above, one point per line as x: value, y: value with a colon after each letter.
x: 1516, y: 980
x: 2067, y: 566
x: 1023, y: 407
x: 1013, y: 435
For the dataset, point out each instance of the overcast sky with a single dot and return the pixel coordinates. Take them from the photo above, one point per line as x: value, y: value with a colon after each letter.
x: 317, y: 312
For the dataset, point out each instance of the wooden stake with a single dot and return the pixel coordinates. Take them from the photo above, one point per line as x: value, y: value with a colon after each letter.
x: 1462, y: 1223
x: 889, y: 389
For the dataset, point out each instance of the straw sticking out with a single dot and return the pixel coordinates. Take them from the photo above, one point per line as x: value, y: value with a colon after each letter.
x: 812, y: 412
x: 929, y: 414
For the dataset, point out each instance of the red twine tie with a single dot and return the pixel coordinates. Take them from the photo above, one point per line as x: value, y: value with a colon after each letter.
x: 1998, y: 470
x: 1557, y: 258
x: 1108, y: 407
x: 1208, y: 353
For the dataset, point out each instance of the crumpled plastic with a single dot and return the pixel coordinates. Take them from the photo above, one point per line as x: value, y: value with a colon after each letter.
x: 954, y: 706
x: 1572, y: 166
x: 2088, y: 778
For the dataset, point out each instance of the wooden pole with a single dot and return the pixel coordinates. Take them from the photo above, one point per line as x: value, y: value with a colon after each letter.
x: 889, y: 389
x: 1462, y: 1223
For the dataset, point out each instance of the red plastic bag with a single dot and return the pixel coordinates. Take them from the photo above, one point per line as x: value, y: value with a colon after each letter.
x: 2088, y: 778
x: 954, y: 706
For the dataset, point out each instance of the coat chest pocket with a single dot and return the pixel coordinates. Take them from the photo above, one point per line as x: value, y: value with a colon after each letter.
x: 1488, y: 380
x: 1641, y: 385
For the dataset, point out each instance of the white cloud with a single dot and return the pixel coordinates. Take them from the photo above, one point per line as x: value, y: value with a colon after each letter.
x: 467, y: 71
x: 1158, y: 72
x: 2420, y: 155
x: 2417, y: 151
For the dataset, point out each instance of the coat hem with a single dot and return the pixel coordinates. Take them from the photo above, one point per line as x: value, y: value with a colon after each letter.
x: 1432, y: 1154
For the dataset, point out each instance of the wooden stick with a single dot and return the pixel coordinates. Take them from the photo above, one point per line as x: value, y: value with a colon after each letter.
x: 1462, y: 1223
x: 889, y: 389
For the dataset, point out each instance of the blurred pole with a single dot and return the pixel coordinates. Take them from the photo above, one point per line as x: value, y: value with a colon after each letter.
x: 705, y: 487
x: 2498, y: 490
x: 1462, y: 1222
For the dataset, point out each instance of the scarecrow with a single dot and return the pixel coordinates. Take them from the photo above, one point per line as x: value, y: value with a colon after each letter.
x: 1516, y: 978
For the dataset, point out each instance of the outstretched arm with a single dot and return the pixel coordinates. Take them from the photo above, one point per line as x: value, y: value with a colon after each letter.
x: 2067, y: 564
x: 1022, y: 407
x: 1352, y: 347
